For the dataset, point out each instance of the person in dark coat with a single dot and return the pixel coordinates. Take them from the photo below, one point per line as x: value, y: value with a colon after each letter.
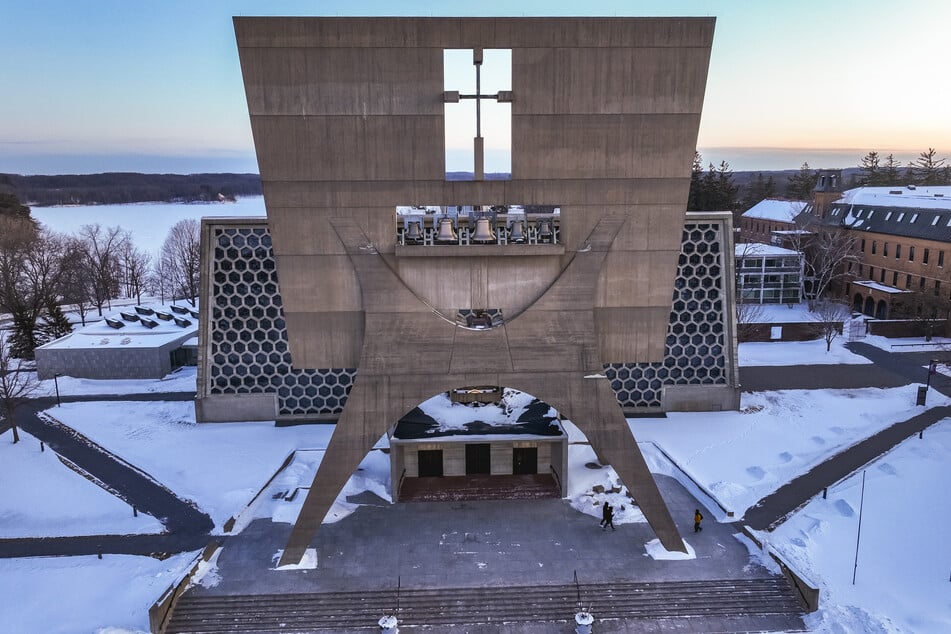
x: 697, y: 518
x: 607, y: 516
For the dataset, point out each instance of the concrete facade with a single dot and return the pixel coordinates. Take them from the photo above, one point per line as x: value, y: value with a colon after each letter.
x: 347, y: 117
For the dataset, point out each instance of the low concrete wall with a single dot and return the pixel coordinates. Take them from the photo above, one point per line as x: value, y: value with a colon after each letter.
x: 791, y: 331
x: 227, y: 408
x: 700, y: 398
x: 905, y: 328
x: 161, y: 610
x: 806, y: 591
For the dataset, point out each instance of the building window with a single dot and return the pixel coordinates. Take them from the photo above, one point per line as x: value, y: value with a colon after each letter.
x: 885, y: 250
x: 940, y: 259
x: 863, y: 246
x: 924, y: 257
x: 895, y: 278
x: 937, y: 287
x: 897, y: 251
x: 871, y: 272
x: 882, y: 277
x: 908, y: 281
x: 911, y: 253
x: 874, y: 246
x: 921, y: 283
x: 913, y: 219
x: 861, y: 269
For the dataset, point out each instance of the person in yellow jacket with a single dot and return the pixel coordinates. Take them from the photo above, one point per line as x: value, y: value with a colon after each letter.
x: 697, y: 518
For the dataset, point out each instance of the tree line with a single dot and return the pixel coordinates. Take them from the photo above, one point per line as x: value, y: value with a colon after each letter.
x: 41, y: 271
x: 715, y: 188
x: 122, y: 187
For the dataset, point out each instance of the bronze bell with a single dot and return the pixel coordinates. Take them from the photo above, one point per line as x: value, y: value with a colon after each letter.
x: 446, y: 232
x: 544, y: 231
x: 517, y: 231
x: 413, y: 234
x: 483, y: 230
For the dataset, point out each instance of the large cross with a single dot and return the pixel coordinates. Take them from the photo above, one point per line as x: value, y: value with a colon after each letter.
x: 453, y: 96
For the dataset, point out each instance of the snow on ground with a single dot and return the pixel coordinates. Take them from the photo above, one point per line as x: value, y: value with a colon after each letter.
x: 70, y: 595
x: 909, y: 344
x: 741, y: 457
x: 148, y: 223
x: 756, y: 353
x: 903, y: 577
x: 220, y: 466
x: 41, y: 497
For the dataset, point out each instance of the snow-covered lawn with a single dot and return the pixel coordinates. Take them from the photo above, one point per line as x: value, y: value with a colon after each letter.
x: 903, y: 577
x: 220, y: 466
x: 741, y: 457
x: 84, y: 595
x: 41, y: 497
x: 909, y: 344
x: 756, y: 353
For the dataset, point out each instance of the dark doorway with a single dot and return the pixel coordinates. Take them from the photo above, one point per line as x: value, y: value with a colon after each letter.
x: 430, y: 463
x: 525, y: 460
x: 478, y: 459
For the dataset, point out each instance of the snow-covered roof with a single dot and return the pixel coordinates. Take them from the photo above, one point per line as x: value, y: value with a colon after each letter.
x: 515, y: 413
x: 911, y: 197
x: 875, y: 286
x: 772, y: 209
x: 758, y: 249
x: 148, y: 326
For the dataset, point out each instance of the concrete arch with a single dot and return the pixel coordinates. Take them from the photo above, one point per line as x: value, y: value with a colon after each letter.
x: 869, y: 307
x: 857, y: 302
x: 547, y: 351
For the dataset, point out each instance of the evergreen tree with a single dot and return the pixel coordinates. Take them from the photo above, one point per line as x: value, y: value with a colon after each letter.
x: 891, y: 173
x: 54, y: 324
x: 871, y: 170
x: 802, y: 183
x: 696, y: 196
x: 759, y: 189
x: 927, y: 169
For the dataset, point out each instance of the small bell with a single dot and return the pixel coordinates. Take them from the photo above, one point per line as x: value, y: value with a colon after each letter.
x: 446, y: 232
x: 517, y: 231
x: 483, y: 230
x: 544, y: 231
x: 413, y: 233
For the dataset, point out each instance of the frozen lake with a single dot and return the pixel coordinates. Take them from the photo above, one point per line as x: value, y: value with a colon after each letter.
x: 148, y: 222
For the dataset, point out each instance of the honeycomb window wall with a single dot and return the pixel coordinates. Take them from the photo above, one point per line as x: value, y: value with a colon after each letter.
x: 248, y: 338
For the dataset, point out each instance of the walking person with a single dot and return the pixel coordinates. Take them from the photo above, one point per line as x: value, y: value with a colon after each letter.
x: 697, y: 518
x: 607, y: 513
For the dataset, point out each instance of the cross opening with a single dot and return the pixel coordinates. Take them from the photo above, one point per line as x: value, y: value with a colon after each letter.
x: 478, y: 103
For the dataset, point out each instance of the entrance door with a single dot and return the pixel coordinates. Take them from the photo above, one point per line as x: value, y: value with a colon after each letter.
x: 478, y: 459
x: 430, y: 463
x: 525, y: 460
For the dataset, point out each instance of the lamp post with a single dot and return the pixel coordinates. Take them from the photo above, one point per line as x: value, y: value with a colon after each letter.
x: 56, y: 385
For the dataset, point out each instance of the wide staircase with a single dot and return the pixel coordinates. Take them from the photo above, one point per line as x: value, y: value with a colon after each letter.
x: 694, y: 605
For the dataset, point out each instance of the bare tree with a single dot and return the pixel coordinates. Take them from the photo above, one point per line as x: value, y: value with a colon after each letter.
x: 828, y: 252
x: 103, y: 247
x: 749, y: 318
x: 76, y: 287
x: 30, y: 273
x: 928, y: 309
x: 829, y: 316
x: 17, y: 384
x: 135, y: 269
x: 181, y: 258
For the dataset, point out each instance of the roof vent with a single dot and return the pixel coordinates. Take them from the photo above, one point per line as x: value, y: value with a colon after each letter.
x: 912, y: 187
x: 895, y: 191
x: 181, y: 310
x: 144, y: 310
x: 163, y: 316
x: 114, y: 323
x: 939, y: 195
x: 182, y: 322
x: 148, y: 323
x: 129, y: 316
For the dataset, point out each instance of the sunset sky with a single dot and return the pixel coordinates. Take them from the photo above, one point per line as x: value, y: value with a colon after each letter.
x: 155, y: 86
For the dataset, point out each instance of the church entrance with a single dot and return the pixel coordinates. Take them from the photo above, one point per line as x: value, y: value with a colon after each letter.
x: 430, y: 463
x: 524, y: 460
x: 478, y: 459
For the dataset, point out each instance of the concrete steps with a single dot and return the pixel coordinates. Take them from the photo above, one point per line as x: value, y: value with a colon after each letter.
x: 359, y: 611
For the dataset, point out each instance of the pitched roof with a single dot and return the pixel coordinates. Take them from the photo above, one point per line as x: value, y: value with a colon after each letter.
x: 773, y: 209
x: 913, y: 212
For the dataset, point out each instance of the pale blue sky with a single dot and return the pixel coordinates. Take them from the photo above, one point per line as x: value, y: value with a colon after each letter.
x: 107, y: 85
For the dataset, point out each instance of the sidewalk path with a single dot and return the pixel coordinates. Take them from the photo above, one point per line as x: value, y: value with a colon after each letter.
x: 187, y: 526
x: 892, y: 368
